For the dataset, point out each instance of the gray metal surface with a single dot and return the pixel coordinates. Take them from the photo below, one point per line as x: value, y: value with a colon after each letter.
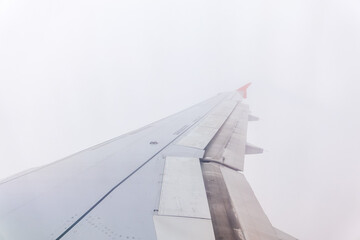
x: 228, y: 145
x: 49, y: 202
x: 181, y: 228
x: 201, y: 135
x: 224, y: 219
x: 254, y: 223
x: 183, y: 192
x: 127, y: 213
x: 183, y: 208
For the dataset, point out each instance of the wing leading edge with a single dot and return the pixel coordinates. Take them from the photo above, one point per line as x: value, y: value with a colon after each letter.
x: 178, y: 178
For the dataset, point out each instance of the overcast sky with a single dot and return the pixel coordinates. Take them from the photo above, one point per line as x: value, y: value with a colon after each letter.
x: 76, y: 73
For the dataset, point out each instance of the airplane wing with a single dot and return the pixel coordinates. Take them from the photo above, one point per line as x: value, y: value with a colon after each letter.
x: 178, y: 178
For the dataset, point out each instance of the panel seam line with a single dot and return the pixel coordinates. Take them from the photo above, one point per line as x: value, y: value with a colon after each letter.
x: 132, y: 173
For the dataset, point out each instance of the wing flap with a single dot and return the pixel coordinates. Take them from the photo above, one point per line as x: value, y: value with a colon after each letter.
x: 183, y: 192
x: 252, y: 218
x: 181, y: 228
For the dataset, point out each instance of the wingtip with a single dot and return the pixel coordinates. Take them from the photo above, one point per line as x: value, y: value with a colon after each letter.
x: 243, y: 90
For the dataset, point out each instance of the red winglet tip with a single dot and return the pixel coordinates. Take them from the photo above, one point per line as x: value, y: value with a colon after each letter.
x: 243, y: 89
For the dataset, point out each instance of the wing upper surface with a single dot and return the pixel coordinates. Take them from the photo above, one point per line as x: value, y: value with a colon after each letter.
x: 174, y: 179
x: 58, y: 195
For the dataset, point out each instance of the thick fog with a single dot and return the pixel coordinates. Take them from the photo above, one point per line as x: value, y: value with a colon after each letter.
x: 76, y: 73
